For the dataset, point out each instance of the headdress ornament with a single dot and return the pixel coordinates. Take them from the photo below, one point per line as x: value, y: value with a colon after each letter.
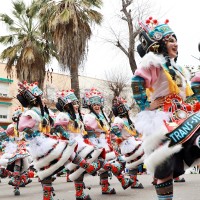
x: 120, y: 106
x: 28, y: 92
x: 93, y: 96
x: 152, y: 32
x: 17, y: 112
x: 31, y: 87
x: 65, y: 97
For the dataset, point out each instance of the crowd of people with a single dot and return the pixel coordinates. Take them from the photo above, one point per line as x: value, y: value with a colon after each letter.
x: 164, y: 136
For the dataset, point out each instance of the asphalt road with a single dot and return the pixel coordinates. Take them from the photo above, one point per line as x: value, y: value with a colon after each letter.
x: 190, y: 190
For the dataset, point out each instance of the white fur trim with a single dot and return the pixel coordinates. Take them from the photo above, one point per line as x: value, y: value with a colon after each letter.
x: 11, y: 148
x: 51, y: 156
x: 110, y: 156
x: 33, y: 115
x: 86, y: 151
x: 83, y: 153
x: 70, y: 166
x: 40, y: 145
x: 62, y: 117
x: 160, y: 155
x: 135, y: 164
x: 151, y: 59
x: 25, y: 164
x: 139, y: 152
x: 118, y: 120
x: 3, y: 162
x: 95, y: 154
x: 76, y: 174
x: 151, y: 143
x: 79, y: 138
x: 88, y: 117
x: 63, y: 161
x: 129, y: 145
x: 151, y: 122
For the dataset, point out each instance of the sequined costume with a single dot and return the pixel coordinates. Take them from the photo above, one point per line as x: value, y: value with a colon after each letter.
x: 15, y: 158
x: 128, y: 140
x: 159, y: 77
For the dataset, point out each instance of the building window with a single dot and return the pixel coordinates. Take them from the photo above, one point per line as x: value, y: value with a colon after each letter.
x: 3, y: 116
x: 4, y: 88
x: 4, y: 112
x: 3, y: 95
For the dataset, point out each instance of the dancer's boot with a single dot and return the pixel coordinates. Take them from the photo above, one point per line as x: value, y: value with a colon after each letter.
x: 165, y: 190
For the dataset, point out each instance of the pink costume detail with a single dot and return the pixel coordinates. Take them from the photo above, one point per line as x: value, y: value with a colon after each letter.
x: 10, y: 130
x: 26, y: 122
x: 90, y: 122
x: 196, y: 78
x: 61, y: 123
x: 150, y: 75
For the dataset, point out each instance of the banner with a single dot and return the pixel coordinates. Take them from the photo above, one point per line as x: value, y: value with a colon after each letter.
x: 184, y: 131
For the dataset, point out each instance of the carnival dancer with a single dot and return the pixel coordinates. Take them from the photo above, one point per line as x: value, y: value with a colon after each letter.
x: 15, y: 159
x: 3, y: 140
x: 128, y: 140
x: 12, y: 130
x: 69, y: 123
x: 50, y: 154
x: 98, y: 133
x: 167, y: 88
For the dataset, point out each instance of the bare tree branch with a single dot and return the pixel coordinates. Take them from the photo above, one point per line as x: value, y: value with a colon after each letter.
x: 122, y: 48
x: 117, y: 81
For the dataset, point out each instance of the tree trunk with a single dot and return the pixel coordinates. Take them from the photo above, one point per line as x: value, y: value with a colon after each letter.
x: 132, y: 61
x: 75, y: 81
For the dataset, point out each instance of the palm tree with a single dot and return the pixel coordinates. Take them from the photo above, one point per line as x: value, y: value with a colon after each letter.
x: 26, y: 46
x: 69, y: 22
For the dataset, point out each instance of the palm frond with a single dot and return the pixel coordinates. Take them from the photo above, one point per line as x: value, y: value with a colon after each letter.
x: 19, y: 8
x: 7, y: 39
x: 6, y: 19
x: 10, y: 52
x: 30, y: 49
x: 93, y: 3
x: 94, y: 16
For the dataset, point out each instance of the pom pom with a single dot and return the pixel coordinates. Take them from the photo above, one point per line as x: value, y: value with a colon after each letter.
x: 155, y: 21
x: 166, y: 21
x: 147, y: 21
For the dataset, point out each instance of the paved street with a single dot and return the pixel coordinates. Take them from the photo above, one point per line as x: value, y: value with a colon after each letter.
x: 190, y: 190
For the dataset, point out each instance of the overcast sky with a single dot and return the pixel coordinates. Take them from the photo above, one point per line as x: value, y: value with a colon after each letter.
x: 183, y: 19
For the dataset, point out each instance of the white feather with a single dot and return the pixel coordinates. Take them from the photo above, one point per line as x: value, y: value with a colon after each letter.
x: 150, y: 122
x: 151, y: 59
x: 160, y: 155
x: 118, y: 120
x: 40, y: 145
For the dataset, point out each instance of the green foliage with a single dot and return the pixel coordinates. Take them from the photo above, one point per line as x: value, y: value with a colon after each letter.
x: 25, y: 45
